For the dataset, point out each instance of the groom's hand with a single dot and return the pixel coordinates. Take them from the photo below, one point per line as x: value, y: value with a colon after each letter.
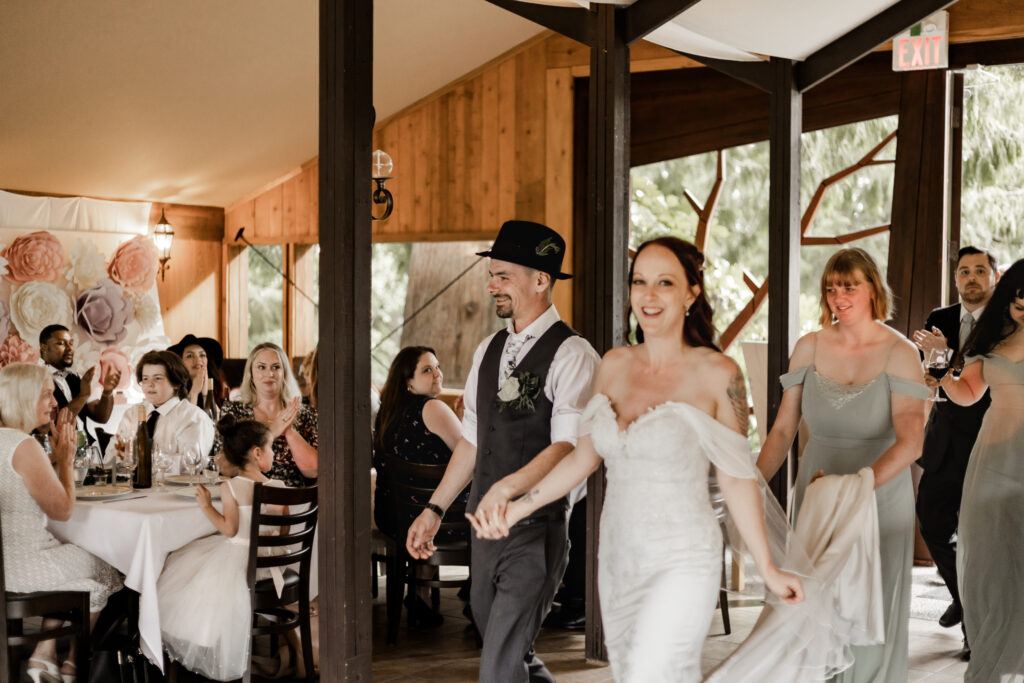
x: 420, y: 540
x: 490, y: 512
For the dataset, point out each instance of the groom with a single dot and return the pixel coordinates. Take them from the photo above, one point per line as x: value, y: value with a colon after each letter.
x: 524, y: 396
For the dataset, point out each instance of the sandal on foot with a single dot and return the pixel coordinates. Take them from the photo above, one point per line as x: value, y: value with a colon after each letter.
x: 69, y: 677
x: 46, y: 673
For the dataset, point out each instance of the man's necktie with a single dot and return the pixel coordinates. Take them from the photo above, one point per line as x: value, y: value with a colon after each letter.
x: 151, y: 423
x: 512, y: 348
x: 966, y: 325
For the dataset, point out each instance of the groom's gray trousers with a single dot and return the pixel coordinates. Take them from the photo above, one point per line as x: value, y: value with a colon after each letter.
x: 524, y: 570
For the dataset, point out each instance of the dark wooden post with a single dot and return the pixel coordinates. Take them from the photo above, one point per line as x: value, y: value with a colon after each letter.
x: 346, y: 80
x: 956, y: 182
x: 920, y: 199
x: 785, y: 124
x: 601, y: 276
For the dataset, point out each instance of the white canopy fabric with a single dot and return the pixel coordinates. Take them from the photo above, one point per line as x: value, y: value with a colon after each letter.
x: 25, y: 213
x: 751, y: 30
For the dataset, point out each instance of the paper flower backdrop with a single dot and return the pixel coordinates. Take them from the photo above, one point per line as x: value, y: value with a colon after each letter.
x: 35, y: 257
x: 14, y: 349
x: 135, y: 264
x: 35, y: 305
x: 104, y: 312
x: 103, y: 303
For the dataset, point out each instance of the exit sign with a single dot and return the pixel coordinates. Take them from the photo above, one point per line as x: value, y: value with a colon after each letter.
x: 923, y: 46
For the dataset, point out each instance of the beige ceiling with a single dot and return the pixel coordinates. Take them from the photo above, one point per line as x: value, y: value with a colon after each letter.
x: 202, y: 101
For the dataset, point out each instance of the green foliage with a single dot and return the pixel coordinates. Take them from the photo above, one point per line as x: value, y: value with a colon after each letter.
x: 992, y: 208
x: 738, y: 233
x: 266, y: 292
x: 390, y: 267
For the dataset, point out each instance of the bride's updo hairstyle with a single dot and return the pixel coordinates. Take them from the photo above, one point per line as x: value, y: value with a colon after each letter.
x: 240, y: 437
x: 697, y: 330
x: 848, y: 266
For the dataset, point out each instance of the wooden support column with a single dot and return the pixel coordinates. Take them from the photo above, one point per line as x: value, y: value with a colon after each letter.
x: 786, y: 120
x: 956, y: 183
x: 920, y: 205
x: 602, y: 250
x: 346, y: 82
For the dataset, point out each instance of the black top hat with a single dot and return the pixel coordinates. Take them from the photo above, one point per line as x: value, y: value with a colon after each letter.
x: 214, y: 351
x: 529, y: 244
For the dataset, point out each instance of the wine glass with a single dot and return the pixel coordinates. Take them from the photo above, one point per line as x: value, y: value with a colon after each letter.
x: 937, y: 365
x: 192, y: 462
x: 100, y: 472
x: 162, y: 461
x: 127, y: 460
x: 80, y: 466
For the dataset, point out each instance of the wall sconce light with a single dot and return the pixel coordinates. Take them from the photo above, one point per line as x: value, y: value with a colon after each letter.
x: 163, y: 236
x: 381, y: 173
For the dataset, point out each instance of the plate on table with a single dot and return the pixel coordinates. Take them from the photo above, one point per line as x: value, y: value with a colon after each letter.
x: 190, y: 492
x: 102, y: 492
x: 185, y: 479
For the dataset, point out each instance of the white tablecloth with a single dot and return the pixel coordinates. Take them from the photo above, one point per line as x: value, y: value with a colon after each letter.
x: 135, y: 536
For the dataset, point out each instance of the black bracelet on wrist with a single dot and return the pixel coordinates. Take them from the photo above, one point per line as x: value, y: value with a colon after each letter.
x: 436, y: 509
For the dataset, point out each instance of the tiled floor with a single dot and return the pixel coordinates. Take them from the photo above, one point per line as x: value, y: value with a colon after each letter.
x: 449, y: 652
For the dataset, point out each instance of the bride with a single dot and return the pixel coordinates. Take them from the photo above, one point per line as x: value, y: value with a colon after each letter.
x: 664, y: 411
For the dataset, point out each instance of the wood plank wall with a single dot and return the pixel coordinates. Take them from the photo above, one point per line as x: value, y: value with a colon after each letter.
x: 190, y: 293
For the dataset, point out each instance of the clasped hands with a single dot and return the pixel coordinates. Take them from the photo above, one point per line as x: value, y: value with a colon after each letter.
x: 495, y: 515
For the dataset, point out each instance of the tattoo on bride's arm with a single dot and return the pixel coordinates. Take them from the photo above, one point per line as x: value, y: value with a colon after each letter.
x: 528, y: 498
x: 738, y: 398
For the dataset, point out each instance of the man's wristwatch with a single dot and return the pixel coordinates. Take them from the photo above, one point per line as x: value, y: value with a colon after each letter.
x: 436, y: 509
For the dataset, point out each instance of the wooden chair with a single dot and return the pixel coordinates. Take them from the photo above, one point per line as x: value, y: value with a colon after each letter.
x: 69, y: 606
x: 718, y: 505
x: 271, y: 614
x: 416, y: 482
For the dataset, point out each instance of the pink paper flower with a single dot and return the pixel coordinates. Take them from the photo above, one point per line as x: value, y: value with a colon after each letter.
x: 134, y: 264
x: 113, y: 358
x: 35, y: 257
x: 104, y: 312
x: 14, y: 349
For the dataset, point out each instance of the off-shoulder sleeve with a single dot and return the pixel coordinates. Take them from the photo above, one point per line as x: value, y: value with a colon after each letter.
x: 596, y: 402
x: 908, y: 388
x: 794, y: 377
x: 972, y: 359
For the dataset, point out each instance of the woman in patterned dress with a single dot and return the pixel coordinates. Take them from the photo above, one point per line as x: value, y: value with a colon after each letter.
x: 270, y: 394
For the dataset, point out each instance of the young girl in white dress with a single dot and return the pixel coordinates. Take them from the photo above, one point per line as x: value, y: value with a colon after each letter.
x: 205, y: 610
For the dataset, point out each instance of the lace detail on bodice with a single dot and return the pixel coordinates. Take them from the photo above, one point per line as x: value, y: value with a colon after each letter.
x: 838, y: 394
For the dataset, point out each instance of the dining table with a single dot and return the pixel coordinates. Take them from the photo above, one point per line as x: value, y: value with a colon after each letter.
x: 134, y: 532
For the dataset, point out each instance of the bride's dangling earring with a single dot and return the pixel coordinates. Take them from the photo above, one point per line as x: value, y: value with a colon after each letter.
x: 687, y: 313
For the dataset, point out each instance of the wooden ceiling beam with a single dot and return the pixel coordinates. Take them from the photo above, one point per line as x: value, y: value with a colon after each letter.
x: 572, y: 22
x: 644, y: 16
x: 850, y: 47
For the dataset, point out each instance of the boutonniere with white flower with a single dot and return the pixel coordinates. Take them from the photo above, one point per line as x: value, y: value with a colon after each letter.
x: 519, y: 392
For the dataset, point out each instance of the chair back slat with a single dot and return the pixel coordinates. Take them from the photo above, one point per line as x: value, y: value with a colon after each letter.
x: 274, y: 495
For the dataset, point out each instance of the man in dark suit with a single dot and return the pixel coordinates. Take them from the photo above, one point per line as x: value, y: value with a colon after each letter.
x: 952, y: 429
x: 57, y: 350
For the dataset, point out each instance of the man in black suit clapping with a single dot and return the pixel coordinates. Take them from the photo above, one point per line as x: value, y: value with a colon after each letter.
x: 952, y: 429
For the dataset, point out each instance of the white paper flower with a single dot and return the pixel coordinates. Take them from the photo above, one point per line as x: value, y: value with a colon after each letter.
x: 509, y: 390
x: 34, y: 305
x: 3, y: 262
x: 86, y: 266
x: 147, y: 314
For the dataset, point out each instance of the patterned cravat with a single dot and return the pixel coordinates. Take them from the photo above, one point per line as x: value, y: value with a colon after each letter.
x: 966, y: 325
x: 512, y: 348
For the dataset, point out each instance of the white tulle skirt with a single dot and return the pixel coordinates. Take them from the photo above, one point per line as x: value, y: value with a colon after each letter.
x: 205, y: 609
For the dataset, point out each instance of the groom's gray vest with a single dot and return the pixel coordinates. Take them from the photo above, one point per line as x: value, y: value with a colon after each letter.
x: 505, y: 442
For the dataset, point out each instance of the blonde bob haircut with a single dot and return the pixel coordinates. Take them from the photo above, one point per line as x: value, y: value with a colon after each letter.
x: 21, y: 386
x: 850, y: 266
x: 289, y: 385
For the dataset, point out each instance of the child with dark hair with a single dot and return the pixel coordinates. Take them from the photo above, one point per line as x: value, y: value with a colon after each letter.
x: 204, y: 598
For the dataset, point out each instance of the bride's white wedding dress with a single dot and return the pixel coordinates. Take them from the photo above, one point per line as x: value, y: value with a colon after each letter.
x: 660, y: 555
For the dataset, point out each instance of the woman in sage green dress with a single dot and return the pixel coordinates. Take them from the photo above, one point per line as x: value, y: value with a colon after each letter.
x: 990, y: 548
x: 859, y: 386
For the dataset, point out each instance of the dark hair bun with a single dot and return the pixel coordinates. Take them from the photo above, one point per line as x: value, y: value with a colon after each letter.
x: 226, y: 423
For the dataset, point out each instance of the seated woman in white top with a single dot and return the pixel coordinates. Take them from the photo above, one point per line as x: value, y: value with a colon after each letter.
x: 175, y: 425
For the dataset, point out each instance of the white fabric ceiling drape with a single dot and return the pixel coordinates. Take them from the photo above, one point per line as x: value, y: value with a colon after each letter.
x: 750, y: 30
x: 24, y: 213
